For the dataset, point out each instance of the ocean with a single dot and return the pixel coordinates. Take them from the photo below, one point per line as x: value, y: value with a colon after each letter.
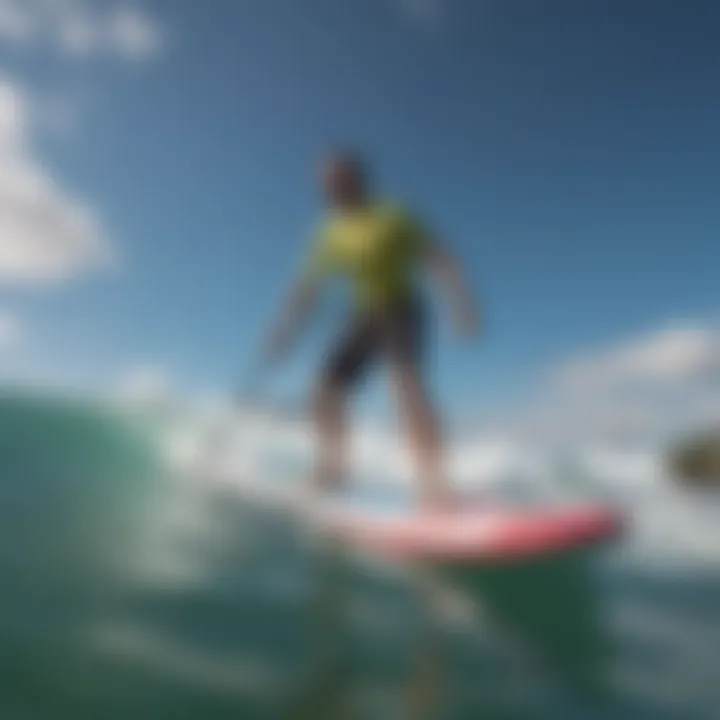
x: 135, y: 587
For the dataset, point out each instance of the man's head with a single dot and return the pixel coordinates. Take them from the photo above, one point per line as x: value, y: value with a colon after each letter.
x: 344, y: 179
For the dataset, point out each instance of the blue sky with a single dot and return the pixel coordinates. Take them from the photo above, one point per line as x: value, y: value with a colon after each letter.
x: 567, y: 151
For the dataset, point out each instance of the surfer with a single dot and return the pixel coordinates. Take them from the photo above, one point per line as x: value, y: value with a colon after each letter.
x: 378, y: 246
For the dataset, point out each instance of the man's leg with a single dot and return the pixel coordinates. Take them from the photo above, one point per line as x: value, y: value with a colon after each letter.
x: 345, y: 366
x: 424, y: 436
x: 330, y: 426
x: 405, y: 335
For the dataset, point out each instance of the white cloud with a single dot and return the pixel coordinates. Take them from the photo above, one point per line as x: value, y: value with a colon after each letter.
x: 77, y: 32
x: 144, y: 386
x: 660, y: 384
x: 15, y: 23
x: 81, y: 28
x: 46, y: 234
x: 13, y: 118
x: 667, y: 356
x: 133, y: 34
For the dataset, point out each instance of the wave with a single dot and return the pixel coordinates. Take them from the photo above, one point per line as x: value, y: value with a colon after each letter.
x: 129, y: 550
x: 266, y: 452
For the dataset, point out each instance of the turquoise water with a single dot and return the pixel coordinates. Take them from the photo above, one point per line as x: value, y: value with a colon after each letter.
x: 132, y: 593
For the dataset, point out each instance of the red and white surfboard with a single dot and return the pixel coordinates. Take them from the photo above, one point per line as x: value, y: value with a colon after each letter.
x: 481, y: 535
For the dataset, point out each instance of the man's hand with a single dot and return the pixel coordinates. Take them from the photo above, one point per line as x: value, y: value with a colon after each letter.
x: 275, y: 350
x: 467, y: 323
x: 298, y: 307
x: 446, y: 271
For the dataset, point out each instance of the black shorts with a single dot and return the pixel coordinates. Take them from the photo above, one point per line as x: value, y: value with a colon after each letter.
x: 396, y: 334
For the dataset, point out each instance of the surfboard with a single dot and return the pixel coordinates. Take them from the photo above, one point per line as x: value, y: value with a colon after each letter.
x: 480, y: 535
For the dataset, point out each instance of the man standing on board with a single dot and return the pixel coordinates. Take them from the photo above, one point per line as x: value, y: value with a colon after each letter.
x: 378, y: 247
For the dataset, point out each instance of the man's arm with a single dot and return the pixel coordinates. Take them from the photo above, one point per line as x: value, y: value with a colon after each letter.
x: 295, y: 313
x: 302, y: 299
x: 445, y: 270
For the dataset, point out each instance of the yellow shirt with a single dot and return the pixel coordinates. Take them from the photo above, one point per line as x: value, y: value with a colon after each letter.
x: 376, y: 247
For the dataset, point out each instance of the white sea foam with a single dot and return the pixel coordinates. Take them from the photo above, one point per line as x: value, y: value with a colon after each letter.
x: 271, y: 458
